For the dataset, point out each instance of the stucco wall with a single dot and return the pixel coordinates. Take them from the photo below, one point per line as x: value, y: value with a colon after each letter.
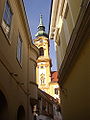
x: 76, y: 99
x: 14, y: 77
x: 13, y: 93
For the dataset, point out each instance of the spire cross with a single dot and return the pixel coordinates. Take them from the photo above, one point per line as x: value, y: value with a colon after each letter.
x: 41, y: 21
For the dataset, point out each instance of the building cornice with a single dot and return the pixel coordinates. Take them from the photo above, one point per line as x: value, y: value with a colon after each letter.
x: 43, y: 59
x: 54, y: 8
x: 40, y: 38
x: 79, y: 34
x: 33, y: 60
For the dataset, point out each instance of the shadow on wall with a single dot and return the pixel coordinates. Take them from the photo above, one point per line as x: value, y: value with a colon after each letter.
x: 3, y: 107
x: 21, y: 113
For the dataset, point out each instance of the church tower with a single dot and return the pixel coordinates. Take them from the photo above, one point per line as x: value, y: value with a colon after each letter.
x: 43, y: 61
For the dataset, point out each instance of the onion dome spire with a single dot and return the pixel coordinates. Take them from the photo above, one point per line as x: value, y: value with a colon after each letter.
x: 41, y: 28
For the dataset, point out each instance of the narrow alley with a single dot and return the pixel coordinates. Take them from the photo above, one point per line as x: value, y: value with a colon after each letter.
x: 45, y: 60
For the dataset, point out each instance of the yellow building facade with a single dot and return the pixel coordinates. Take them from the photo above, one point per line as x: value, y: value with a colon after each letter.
x: 70, y: 28
x: 43, y: 61
x: 18, y: 88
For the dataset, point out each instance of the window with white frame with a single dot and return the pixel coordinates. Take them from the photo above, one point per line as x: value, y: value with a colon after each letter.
x: 7, y: 18
x: 19, y: 49
x: 56, y: 91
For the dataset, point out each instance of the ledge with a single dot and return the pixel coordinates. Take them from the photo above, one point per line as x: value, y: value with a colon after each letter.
x: 43, y: 59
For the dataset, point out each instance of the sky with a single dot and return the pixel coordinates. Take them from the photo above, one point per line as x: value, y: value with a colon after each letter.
x: 33, y: 10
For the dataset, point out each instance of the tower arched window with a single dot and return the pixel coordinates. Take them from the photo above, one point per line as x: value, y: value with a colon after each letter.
x: 41, y: 51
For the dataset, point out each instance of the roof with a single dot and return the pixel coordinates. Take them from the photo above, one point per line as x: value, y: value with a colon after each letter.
x: 54, y: 76
x: 41, y: 29
x: 49, y: 97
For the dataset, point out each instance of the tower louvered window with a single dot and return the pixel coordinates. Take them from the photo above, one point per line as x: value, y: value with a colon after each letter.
x: 41, y: 51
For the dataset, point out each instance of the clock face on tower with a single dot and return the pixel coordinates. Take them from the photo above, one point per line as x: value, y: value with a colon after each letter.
x: 41, y: 41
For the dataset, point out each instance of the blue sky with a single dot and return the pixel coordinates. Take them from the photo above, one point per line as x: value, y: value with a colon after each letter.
x: 33, y: 9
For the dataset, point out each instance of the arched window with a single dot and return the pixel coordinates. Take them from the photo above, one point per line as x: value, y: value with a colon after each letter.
x: 21, y: 113
x: 41, y: 51
x: 56, y: 91
x: 3, y: 107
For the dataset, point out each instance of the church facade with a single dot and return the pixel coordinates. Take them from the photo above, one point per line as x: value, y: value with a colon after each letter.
x: 43, y: 61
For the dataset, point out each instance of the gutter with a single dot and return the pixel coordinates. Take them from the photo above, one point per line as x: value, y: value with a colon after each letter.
x: 28, y: 29
x: 50, y: 16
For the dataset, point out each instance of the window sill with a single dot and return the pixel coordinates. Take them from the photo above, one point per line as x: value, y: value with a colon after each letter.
x: 43, y: 84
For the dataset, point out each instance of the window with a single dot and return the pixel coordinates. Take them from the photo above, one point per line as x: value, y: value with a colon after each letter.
x: 46, y: 107
x: 56, y: 91
x: 42, y: 67
x: 19, y: 49
x: 42, y: 78
x: 7, y: 18
x: 41, y: 51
